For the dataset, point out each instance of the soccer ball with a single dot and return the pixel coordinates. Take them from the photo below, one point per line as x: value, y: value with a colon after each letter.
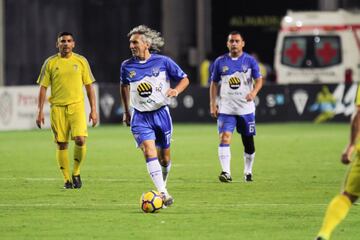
x: 151, y: 202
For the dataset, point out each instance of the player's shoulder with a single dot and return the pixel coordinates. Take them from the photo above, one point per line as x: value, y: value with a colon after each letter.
x: 223, y: 57
x: 80, y: 57
x: 160, y: 57
x: 248, y: 57
x: 50, y: 59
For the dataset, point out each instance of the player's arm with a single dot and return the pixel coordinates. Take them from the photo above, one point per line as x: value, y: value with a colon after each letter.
x: 125, y: 99
x: 354, y: 132
x: 92, y: 100
x: 257, y: 86
x: 213, y: 94
x: 180, y: 87
x: 40, y: 119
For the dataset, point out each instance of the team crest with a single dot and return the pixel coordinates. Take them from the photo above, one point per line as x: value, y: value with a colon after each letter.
x: 75, y: 67
x: 234, y: 82
x: 132, y: 74
x: 244, y: 68
x: 144, y: 89
x: 155, y: 72
x: 225, y: 69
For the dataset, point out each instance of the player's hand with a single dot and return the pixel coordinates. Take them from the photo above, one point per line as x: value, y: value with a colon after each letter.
x: 126, y: 118
x: 40, y: 119
x: 172, y: 92
x: 250, y: 97
x: 214, y: 111
x: 93, y: 117
x: 346, y: 155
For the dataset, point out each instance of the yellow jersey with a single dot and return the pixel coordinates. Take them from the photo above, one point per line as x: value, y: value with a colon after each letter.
x: 66, y: 77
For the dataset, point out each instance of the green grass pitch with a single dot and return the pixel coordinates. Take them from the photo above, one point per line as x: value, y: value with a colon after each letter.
x: 297, y: 171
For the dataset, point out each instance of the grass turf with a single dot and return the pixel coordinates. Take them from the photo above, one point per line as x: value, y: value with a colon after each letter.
x: 296, y: 172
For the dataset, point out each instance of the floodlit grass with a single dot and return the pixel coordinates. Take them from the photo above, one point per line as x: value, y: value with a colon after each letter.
x: 296, y: 172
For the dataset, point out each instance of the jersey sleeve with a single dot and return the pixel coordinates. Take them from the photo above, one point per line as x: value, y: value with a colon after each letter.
x: 174, y: 71
x: 215, y: 74
x: 255, y: 70
x: 88, y: 77
x: 124, y: 74
x: 44, y: 77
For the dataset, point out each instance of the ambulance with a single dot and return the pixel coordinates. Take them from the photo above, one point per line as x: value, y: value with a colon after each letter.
x: 318, y: 47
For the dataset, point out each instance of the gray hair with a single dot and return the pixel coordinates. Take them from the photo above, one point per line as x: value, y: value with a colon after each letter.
x: 150, y: 36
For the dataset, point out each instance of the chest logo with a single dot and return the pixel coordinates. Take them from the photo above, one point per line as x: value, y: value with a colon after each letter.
x: 155, y: 72
x: 132, y: 74
x: 75, y: 67
x: 144, y: 89
x: 234, y: 82
x: 225, y: 69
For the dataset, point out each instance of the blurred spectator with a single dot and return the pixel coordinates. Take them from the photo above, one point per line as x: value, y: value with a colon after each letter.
x: 265, y: 68
x: 205, y: 70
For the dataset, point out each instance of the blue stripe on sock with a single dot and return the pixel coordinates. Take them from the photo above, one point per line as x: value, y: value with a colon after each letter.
x: 223, y: 145
x: 151, y: 159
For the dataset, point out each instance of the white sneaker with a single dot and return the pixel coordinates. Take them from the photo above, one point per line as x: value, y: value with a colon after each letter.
x: 167, y: 198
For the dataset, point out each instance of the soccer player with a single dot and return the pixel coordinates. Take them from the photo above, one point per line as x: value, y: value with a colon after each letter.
x: 236, y: 79
x: 66, y: 73
x: 145, y: 85
x: 340, y: 204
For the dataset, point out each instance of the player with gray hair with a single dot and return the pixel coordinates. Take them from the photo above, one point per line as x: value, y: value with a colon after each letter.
x: 145, y: 85
x: 150, y: 36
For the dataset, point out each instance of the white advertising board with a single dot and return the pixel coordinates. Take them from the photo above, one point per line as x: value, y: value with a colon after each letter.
x: 18, y: 107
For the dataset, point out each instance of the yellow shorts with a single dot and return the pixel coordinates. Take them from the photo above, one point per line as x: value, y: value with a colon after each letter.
x: 68, y: 119
x: 352, y: 180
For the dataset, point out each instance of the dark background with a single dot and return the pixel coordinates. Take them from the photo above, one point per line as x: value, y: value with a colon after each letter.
x: 100, y: 28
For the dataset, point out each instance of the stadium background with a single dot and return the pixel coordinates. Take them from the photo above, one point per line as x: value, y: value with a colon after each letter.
x: 193, y: 31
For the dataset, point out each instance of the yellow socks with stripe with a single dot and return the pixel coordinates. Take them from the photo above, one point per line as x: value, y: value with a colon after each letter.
x: 335, y: 213
x: 63, y: 159
x: 79, y: 157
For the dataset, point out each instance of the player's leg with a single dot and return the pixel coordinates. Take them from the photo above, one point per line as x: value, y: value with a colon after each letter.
x: 60, y: 128
x: 152, y: 163
x: 340, y: 205
x: 165, y: 162
x: 246, y: 127
x: 77, y: 121
x: 163, y: 133
x: 142, y: 128
x: 226, y: 125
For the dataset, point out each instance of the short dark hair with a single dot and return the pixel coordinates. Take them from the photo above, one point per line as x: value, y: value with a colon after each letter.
x: 60, y: 34
x: 235, y: 32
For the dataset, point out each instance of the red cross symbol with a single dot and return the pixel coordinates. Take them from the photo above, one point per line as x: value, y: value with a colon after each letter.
x: 294, y: 52
x: 326, y: 52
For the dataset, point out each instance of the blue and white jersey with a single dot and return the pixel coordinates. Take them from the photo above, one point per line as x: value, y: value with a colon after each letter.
x: 149, y: 80
x: 235, y: 78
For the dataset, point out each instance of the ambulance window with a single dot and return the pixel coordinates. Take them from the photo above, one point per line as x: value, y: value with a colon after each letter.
x: 311, y: 51
x: 294, y: 50
x: 327, y: 50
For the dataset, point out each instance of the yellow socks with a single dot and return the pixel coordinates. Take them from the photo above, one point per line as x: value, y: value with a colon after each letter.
x: 335, y: 213
x: 63, y: 159
x: 79, y: 157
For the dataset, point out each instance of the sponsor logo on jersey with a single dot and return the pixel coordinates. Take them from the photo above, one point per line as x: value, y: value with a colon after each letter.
x: 225, y: 69
x: 132, y: 74
x: 234, y: 82
x: 144, y: 89
x: 155, y: 72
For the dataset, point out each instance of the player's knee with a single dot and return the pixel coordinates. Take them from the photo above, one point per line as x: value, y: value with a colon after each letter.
x: 149, y: 152
x: 225, y: 138
x: 80, y: 141
x: 249, y: 146
x: 62, y: 145
x: 164, y: 157
x: 352, y: 198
